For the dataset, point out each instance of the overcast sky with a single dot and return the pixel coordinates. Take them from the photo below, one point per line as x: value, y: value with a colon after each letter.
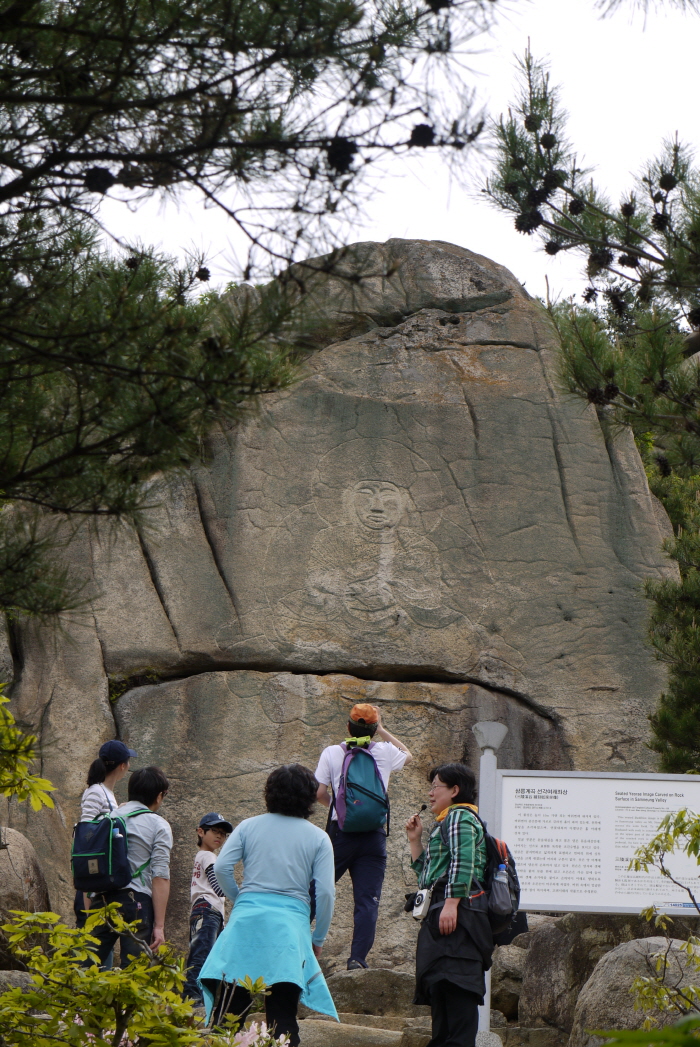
x: 628, y: 81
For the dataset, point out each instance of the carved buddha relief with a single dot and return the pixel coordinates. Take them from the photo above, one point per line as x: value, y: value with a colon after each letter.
x: 382, y: 554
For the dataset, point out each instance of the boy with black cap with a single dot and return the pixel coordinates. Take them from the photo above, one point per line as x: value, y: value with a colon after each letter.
x: 363, y: 854
x: 206, y: 898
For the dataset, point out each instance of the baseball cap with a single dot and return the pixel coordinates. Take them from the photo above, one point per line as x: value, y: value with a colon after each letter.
x: 116, y: 752
x: 364, y: 713
x: 214, y: 820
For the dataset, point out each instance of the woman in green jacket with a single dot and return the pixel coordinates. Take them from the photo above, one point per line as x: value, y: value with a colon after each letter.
x: 455, y: 940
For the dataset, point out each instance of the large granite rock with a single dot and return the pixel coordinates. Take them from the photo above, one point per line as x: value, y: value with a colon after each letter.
x: 507, y: 978
x: 422, y: 512
x: 563, y: 954
x: 606, y: 1001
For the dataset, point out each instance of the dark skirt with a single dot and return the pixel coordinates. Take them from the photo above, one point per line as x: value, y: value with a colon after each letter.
x: 461, y: 957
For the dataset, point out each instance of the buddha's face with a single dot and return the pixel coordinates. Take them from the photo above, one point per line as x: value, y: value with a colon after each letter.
x: 378, y: 504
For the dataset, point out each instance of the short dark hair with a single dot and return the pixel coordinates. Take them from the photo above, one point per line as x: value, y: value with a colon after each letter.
x: 291, y: 790
x: 146, y: 785
x: 362, y: 730
x: 456, y: 774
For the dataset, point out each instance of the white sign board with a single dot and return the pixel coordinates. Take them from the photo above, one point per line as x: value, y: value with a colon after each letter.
x: 572, y: 835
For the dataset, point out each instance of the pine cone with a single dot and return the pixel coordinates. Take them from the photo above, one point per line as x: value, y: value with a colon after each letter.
x: 533, y: 122
x: 513, y: 188
x: 630, y: 261
x: 576, y: 206
x: 599, y: 258
x: 555, y: 179
x: 617, y: 302
x: 528, y: 221
x: 422, y: 135
x: 597, y: 396
x: 552, y: 247
x: 667, y: 181
x: 537, y: 196
x: 627, y: 209
x: 98, y: 180
x: 548, y: 140
x: 340, y: 154
x: 659, y: 221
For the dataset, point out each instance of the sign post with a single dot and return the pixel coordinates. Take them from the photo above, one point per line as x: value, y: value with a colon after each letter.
x: 489, y: 735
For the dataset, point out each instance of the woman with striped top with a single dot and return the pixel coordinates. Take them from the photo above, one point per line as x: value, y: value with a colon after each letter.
x: 111, y: 765
x: 455, y: 940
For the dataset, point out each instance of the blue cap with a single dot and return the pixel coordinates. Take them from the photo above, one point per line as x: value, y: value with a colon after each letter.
x: 213, y: 821
x: 116, y: 752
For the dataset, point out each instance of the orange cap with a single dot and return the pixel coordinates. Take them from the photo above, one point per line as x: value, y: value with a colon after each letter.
x: 364, y: 713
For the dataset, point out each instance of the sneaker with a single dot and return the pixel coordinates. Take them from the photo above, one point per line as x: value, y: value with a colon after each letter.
x: 357, y: 965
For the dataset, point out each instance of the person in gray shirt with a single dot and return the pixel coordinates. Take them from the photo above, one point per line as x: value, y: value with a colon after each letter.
x: 150, y: 840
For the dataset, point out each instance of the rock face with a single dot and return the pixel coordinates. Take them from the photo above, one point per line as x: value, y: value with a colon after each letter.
x: 606, y: 1001
x: 422, y: 521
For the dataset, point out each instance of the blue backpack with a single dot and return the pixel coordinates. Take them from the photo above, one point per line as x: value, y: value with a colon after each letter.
x: 100, y: 853
x: 361, y: 802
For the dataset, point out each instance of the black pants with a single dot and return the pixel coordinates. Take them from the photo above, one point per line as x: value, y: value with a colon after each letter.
x: 280, y: 1009
x: 455, y: 1013
x: 134, y: 905
x: 205, y: 927
x: 363, y: 855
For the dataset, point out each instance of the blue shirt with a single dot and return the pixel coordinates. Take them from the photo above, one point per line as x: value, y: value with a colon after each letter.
x: 281, y: 855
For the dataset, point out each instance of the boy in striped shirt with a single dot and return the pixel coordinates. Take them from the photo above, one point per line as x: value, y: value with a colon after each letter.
x: 206, y: 899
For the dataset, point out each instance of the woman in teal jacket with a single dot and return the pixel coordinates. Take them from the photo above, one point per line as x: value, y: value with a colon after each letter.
x: 268, y: 934
x: 455, y: 940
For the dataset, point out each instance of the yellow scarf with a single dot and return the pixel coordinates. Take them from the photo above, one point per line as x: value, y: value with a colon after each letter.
x: 443, y: 814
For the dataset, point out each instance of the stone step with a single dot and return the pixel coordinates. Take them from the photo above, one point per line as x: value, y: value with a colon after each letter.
x: 314, y: 1032
x: 377, y: 1021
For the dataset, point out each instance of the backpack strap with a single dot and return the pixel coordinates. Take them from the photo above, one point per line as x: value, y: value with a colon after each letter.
x: 132, y: 814
x: 443, y: 827
x: 137, y: 872
x: 106, y: 797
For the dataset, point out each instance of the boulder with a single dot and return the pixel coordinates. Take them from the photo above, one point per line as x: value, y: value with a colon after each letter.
x: 506, y: 978
x: 606, y: 1002
x: 562, y: 956
x: 22, y: 885
x: 423, y: 519
x: 14, y: 980
x: 380, y: 992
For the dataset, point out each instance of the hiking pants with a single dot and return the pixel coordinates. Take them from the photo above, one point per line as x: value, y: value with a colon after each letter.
x: 134, y: 905
x: 363, y: 855
x: 455, y: 1013
x: 205, y: 927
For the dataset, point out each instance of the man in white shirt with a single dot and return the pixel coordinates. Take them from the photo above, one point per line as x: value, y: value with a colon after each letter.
x: 362, y: 854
